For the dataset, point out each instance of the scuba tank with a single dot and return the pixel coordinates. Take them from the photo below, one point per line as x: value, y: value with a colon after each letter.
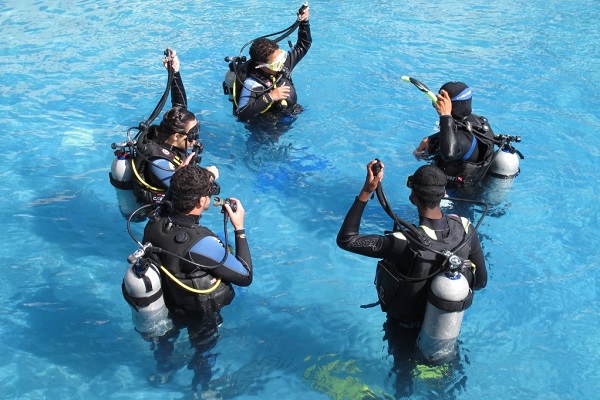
x: 121, y: 173
x: 121, y: 177
x: 505, y: 164
x: 449, y: 296
x: 503, y: 168
x: 142, y: 290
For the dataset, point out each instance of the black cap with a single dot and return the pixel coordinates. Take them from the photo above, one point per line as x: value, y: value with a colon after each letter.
x: 460, y: 94
x: 429, y: 182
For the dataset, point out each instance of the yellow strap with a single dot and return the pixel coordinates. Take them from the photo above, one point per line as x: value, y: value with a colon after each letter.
x: 143, y: 182
x: 234, y: 92
x: 190, y: 289
x: 430, y: 232
x: 271, y: 103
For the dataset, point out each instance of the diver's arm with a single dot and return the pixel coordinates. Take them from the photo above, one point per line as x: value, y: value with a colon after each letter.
x: 476, y: 256
x: 254, y: 98
x: 209, y: 252
x: 302, y: 45
x: 178, y: 95
x: 454, y: 143
x: 376, y: 246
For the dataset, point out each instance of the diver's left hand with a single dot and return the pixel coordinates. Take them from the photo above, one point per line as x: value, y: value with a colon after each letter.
x: 304, y: 16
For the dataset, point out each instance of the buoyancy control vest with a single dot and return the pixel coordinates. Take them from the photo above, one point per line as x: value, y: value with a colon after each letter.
x: 240, y: 71
x: 179, y: 239
x: 147, y: 187
x: 405, y: 299
x: 463, y: 172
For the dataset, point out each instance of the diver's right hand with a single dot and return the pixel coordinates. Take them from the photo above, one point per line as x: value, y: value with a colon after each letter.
x: 237, y: 217
x: 280, y: 93
x: 422, y: 150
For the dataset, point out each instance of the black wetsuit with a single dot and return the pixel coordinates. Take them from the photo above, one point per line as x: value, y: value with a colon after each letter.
x: 395, y: 249
x: 255, y: 101
x: 463, y: 149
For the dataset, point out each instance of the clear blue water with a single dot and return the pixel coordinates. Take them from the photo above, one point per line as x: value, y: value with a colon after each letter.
x: 76, y: 74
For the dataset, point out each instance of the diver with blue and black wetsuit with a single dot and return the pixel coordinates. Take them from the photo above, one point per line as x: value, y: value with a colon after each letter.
x: 199, y: 271
x: 268, y: 87
x: 464, y: 146
x: 162, y: 148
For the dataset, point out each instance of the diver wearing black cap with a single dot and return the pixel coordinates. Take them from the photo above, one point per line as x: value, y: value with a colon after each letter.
x: 464, y: 147
x: 404, y: 274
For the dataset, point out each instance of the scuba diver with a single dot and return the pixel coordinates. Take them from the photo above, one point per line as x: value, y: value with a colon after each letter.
x: 425, y: 278
x: 464, y: 146
x: 197, y: 272
x: 402, y: 253
x: 147, y: 162
x: 165, y: 147
x: 263, y: 85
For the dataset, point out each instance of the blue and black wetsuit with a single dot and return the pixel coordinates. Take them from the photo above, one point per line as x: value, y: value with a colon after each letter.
x: 156, y: 162
x: 198, y: 312
x: 254, y: 98
x: 182, y: 235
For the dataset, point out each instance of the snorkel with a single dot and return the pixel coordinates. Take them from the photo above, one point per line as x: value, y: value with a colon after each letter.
x: 421, y: 86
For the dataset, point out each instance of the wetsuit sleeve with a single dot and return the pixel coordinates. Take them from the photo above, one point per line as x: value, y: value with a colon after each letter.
x: 476, y: 256
x: 454, y: 143
x: 178, y: 95
x: 254, y: 98
x: 235, y: 269
x: 163, y: 170
x: 302, y: 45
x: 376, y: 246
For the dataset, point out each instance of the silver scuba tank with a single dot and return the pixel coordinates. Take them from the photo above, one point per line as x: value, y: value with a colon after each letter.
x: 142, y: 290
x: 121, y: 178
x: 121, y: 172
x: 449, y: 296
x: 505, y: 164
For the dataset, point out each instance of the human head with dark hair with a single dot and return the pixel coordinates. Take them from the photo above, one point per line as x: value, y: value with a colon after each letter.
x: 460, y: 95
x: 178, y: 128
x: 262, y: 49
x: 190, y: 188
x: 428, y: 186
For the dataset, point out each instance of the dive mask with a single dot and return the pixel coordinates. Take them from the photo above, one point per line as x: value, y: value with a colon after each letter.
x: 193, y: 133
x: 277, y: 64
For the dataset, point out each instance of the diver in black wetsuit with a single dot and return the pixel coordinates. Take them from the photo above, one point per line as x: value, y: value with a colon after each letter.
x: 464, y: 147
x: 268, y: 88
x: 405, y: 300
x: 200, y: 281
x: 163, y: 148
x: 428, y: 188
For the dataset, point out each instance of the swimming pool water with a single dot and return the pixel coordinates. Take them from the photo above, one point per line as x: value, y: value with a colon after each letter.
x: 76, y: 74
